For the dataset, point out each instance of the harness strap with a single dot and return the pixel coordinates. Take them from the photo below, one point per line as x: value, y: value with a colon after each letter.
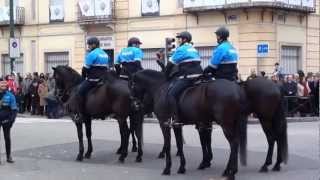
x: 190, y: 76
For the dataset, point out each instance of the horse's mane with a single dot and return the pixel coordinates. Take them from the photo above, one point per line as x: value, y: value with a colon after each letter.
x: 72, y: 75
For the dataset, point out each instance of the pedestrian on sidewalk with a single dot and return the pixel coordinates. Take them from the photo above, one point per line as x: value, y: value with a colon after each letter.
x: 8, y: 113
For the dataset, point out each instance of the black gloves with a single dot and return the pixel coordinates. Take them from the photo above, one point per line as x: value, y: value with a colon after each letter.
x: 209, y: 71
x: 118, y: 68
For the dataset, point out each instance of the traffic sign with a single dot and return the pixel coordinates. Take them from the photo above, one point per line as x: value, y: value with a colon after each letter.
x: 262, y: 49
x: 14, y: 48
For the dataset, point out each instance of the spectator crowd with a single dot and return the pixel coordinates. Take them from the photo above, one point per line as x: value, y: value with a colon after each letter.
x: 34, y: 93
x: 301, y: 90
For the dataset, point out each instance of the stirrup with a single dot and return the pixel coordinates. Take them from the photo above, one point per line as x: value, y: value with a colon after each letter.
x: 76, y: 117
x: 176, y: 124
x: 172, y: 123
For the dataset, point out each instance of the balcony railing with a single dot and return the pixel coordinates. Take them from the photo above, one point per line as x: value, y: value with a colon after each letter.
x: 19, y: 16
x: 93, y: 18
x: 300, y: 5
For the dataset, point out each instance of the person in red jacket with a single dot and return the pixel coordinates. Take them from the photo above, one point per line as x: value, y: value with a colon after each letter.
x: 12, y: 86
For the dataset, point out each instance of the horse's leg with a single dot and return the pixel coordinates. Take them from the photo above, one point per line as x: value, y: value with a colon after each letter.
x: 88, y: 123
x: 175, y: 129
x: 125, y: 138
x: 138, y: 130
x: 80, y: 138
x: 208, y: 146
x: 179, y: 140
x: 119, y: 150
x: 132, y: 132
x: 7, y: 140
x: 162, y: 153
x: 267, y: 128
x: 280, y: 127
x: 202, y: 137
x: 167, y: 145
x: 232, y: 167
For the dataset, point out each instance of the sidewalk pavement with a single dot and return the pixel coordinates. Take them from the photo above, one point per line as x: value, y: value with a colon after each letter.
x: 154, y: 120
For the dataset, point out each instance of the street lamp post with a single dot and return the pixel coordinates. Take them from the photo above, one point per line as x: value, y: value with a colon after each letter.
x: 11, y: 34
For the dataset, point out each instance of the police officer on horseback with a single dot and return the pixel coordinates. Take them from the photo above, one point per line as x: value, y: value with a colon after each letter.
x: 95, y: 65
x: 223, y: 64
x: 129, y: 58
x: 187, y: 60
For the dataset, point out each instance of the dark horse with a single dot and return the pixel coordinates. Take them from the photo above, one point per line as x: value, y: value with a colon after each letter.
x: 218, y: 101
x: 112, y: 97
x: 266, y: 101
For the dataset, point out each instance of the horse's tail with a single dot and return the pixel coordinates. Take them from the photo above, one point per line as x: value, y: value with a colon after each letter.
x: 280, y: 125
x: 243, y: 139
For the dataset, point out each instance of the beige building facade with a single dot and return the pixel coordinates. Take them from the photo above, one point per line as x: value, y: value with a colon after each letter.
x: 292, y: 35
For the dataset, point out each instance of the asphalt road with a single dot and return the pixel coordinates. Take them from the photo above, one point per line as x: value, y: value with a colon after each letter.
x: 46, y: 150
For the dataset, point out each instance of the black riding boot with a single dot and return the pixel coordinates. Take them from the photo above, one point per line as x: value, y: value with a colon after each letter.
x: 80, y: 108
x: 175, y: 112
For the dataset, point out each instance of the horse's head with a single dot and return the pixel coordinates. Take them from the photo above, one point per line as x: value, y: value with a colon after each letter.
x: 66, y: 78
x: 144, y: 82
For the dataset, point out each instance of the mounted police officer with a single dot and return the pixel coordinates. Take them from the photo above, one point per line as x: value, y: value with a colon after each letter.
x: 223, y: 64
x: 129, y: 58
x: 8, y: 113
x: 188, y: 63
x: 95, y: 65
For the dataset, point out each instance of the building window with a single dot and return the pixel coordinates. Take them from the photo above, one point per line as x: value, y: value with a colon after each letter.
x: 290, y: 59
x: 54, y: 59
x: 6, y: 66
x: 33, y: 9
x: 150, y: 7
x: 150, y: 59
x: 205, y: 53
x: 15, y: 3
x: 180, y: 3
x: 33, y: 55
x: 56, y: 11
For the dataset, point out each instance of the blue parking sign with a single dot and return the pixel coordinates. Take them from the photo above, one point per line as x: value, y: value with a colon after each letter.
x: 262, y: 49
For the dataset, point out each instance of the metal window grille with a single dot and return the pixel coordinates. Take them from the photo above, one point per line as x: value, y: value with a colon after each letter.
x: 290, y: 59
x: 6, y: 69
x: 150, y: 59
x: 56, y: 2
x: 54, y: 59
x: 205, y: 53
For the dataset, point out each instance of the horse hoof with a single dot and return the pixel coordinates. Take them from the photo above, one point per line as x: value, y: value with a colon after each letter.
x: 79, y: 158
x: 228, y: 174
x: 204, y: 165
x: 166, y: 172
x: 118, y: 151
x: 10, y: 160
x: 87, y: 155
x: 134, y: 149
x: 231, y: 177
x: 121, y: 159
x: 138, y: 159
x: 161, y: 155
x: 276, y: 168
x: 264, y: 169
x: 178, y: 153
x: 182, y: 170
